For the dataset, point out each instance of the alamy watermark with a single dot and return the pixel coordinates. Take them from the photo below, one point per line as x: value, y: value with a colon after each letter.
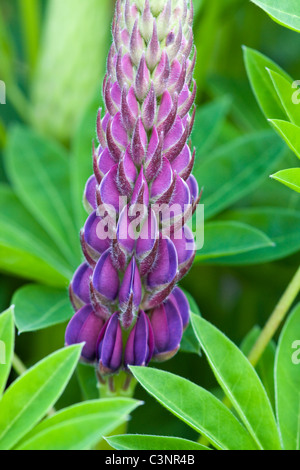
x: 2, y: 92
x: 296, y: 354
x: 2, y: 353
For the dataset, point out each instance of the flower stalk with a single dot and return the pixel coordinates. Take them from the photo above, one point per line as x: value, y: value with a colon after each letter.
x: 136, y: 242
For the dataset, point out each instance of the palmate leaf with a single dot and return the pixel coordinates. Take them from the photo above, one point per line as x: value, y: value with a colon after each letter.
x: 290, y: 178
x: 196, y: 407
x: 29, y: 398
x: 287, y: 382
x: 285, y: 90
x: 286, y: 13
x: 258, y: 66
x: 38, y: 307
x: 240, y: 383
x: 39, y: 171
x: 281, y: 225
x: 265, y: 366
x: 238, y: 168
x: 230, y: 238
x: 289, y: 132
x: 7, y: 342
x: 143, y: 442
x: 79, y: 427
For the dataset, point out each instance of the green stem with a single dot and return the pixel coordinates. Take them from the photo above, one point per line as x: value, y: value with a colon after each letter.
x: 21, y: 369
x: 275, y: 320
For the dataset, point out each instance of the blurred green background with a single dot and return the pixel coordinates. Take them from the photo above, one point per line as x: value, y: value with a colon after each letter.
x: 52, y: 59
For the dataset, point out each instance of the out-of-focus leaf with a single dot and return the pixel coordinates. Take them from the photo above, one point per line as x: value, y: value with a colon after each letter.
x: 38, y: 307
x: 26, y: 249
x: 258, y: 66
x: 285, y: 91
x: 86, y: 376
x: 79, y: 427
x: 290, y: 133
x: 281, y: 225
x: 208, y: 123
x: 223, y: 239
x: 29, y: 398
x: 196, y: 407
x: 265, y: 367
x: 237, y: 168
x: 39, y: 171
x: 7, y: 342
x: 143, y: 442
x: 286, y: 13
x: 287, y: 382
x: 290, y: 178
x: 240, y: 383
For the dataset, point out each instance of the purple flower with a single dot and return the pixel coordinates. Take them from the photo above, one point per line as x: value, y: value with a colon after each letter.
x: 85, y: 327
x: 135, y: 241
x: 110, y: 346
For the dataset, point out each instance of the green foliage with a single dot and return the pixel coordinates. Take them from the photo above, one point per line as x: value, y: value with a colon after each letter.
x: 290, y: 178
x: 7, y: 337
x: 286, y: 13
x: 38, y: 307
x: 142, y: 442
x: 287, y: 379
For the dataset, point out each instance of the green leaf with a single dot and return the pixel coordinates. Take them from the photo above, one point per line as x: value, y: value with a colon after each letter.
x: 285, y: 90
x: 282, y: 226
x: 289, y: 132
x: 86, y: 376
x: 290, y: 178
x: 189, y: 341
x: 240, y: 383
x: 257, y: 66
x: 39, y: 171
x: 79, y: 427
x: 196, y: 407
x: 26, y: 249
x: 287, y: 382
x: 286, y: 13
x: 29, y: 398
x: 38, y: 307
x: 208, y: 123
x: 7, y: 342
x: 265, y: 366
x: 230, y: 238
x: 81, y: 162
x: 143, y: 442
x: 238, y: 168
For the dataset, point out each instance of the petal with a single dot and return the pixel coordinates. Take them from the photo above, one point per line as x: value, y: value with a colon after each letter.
x: 105, y: 278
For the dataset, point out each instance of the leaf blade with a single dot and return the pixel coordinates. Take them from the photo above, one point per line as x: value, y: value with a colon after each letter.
x: 7, y: 340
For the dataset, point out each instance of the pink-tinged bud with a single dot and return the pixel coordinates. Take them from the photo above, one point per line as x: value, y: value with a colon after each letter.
x: 109, y: 191
x: 142, y: 81
x: 105, y: 278
x: 105, y: 162
x: 162, y: 187
x: 125, y: 233
x: 163, y: 20
x: 130, y: 294
x: 90, y: 194
x: 148, y: 236
x: 140, y: 193
x: 165, y: 268
x: 162, y: 74
x: 193, y: 186
x: 154, y: 156
x: 136, y: 44
x: 167, y: 328
x: 139, y: 143
x: 149, y: 109
x: 184, y: 243
x: 129, y: 109
x: 85, y: 327
x: 80, y: 286
x: 153, y: 53
x: 181, y: 302
x: 140, y: 344
x: 97, y: 240
x: 110, y: 346
x: 146, y: 22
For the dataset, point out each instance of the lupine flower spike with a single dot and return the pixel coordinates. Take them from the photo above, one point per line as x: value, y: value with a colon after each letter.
x: 135, y: 241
